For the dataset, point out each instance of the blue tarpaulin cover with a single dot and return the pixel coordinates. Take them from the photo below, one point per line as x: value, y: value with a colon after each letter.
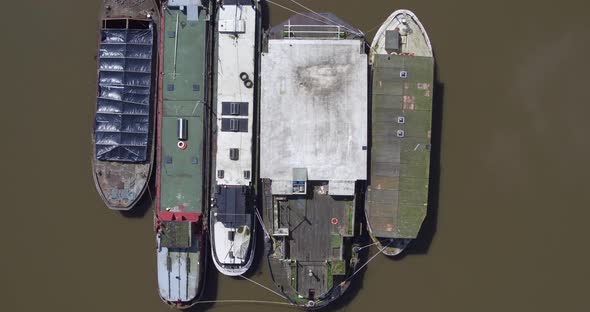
x: 122, y: 123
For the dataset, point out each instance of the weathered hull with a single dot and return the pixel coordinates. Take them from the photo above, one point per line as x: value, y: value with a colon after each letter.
x: 181, y: 285
x: 402, y: 80
x: 122, y: 184
x: 313, y: 155
x: 232, y: 222
x: 288, y: 264
x: 182, y: 156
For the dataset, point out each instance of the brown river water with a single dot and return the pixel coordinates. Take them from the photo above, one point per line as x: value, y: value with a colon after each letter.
x: 507, y: 231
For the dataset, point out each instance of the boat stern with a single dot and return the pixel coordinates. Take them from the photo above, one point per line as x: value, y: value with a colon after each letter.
x: 180, y: 263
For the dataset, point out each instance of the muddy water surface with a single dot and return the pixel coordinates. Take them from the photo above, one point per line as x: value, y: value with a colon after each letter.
x: 507, y: 230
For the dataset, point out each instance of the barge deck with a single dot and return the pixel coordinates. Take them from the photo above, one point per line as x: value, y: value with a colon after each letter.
x: 181, y: 186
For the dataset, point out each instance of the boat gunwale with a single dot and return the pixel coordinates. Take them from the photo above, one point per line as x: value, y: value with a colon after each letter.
x: 255, y: 103
x: 384, y: 27
x: 391, y: 251
x: 153, y: 98
x: 200, y: 221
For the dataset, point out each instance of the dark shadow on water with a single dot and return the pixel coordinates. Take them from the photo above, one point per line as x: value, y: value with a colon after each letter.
x: 265, y: 15
x: 428, y: 229
x: 256, y: 267
x: 356, y: 283
x: 210, y: 285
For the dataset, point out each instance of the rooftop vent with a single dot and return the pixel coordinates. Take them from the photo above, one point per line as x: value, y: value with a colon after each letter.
x: 233, y: 125
x: 392, y: 41
x: 400, y: 133
x: 220, y: 174
x: 401, y: 119
x: 234, y: 108
x: 234, y: 153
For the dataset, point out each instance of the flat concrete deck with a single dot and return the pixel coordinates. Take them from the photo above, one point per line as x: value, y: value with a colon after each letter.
x: 314, y: 110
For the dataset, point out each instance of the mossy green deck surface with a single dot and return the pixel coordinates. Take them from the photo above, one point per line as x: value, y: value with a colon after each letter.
x: 181, y: 181
x: 398, y: 194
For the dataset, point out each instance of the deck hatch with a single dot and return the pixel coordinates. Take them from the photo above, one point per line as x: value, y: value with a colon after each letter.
x: 231, y: 202
x: 176, y: 234
x: 234, y: 124
x: 122, y: 122
x: 234, y: 153
x: 234, y: 108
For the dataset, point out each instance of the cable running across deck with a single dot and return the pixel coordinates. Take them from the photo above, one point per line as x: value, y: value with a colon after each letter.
x: 315, y: 19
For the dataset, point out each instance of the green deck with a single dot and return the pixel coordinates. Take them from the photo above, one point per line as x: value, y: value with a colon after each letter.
x: 398, y: 194
x: 181, y: 184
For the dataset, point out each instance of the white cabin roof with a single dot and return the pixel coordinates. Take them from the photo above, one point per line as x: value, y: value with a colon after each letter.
x: 314, y: 111
x: 236, y: 55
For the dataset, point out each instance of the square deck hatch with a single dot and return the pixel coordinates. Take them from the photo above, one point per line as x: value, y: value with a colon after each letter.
x: 175, y: 234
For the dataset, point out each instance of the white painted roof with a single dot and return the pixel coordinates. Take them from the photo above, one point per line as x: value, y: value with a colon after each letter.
x: 180, y: 283
x: 238, y: 247
x: 314, y: 111
x: 237, y: 39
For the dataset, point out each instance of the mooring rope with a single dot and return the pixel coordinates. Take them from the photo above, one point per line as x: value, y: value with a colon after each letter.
x: 255, y: 282
x: 322, y: 16
x: 242, y: 301
x: 259, y: 217
x: 315, y: 19
x: 373, y: 244
x: 150, y: 193
x: 365, y: 264
x: 293, y: 11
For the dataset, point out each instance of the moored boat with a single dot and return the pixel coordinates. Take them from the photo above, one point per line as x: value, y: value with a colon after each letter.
x: 313, y: 155
x: 232, y: 220
x: 181, y: 181
x: 123, y: 134
x: 402, y: 79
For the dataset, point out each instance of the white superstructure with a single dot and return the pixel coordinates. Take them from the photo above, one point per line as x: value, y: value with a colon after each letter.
x: 313, y: 114
x: 232, y: 220
x: 237, y: 40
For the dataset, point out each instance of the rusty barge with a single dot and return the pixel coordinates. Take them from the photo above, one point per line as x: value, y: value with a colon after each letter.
x: 402, y: 65
x: 123, y: 133
x: 183, y: 153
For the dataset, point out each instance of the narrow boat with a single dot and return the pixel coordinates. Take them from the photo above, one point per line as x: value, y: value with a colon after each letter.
x: 124, y: 119
x: 181, y: 181
x: 232, y: 219
x: 313, y: 154
x: 402, y: 79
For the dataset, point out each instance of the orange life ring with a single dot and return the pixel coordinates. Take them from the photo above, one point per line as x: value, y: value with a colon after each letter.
x: 182, y: 145
x: 334, y: 221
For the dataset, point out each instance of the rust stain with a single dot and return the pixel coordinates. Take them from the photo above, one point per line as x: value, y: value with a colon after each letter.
x: 408, y: 102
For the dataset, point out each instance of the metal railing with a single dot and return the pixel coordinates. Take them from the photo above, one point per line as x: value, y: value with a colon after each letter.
x: 314, y: 32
